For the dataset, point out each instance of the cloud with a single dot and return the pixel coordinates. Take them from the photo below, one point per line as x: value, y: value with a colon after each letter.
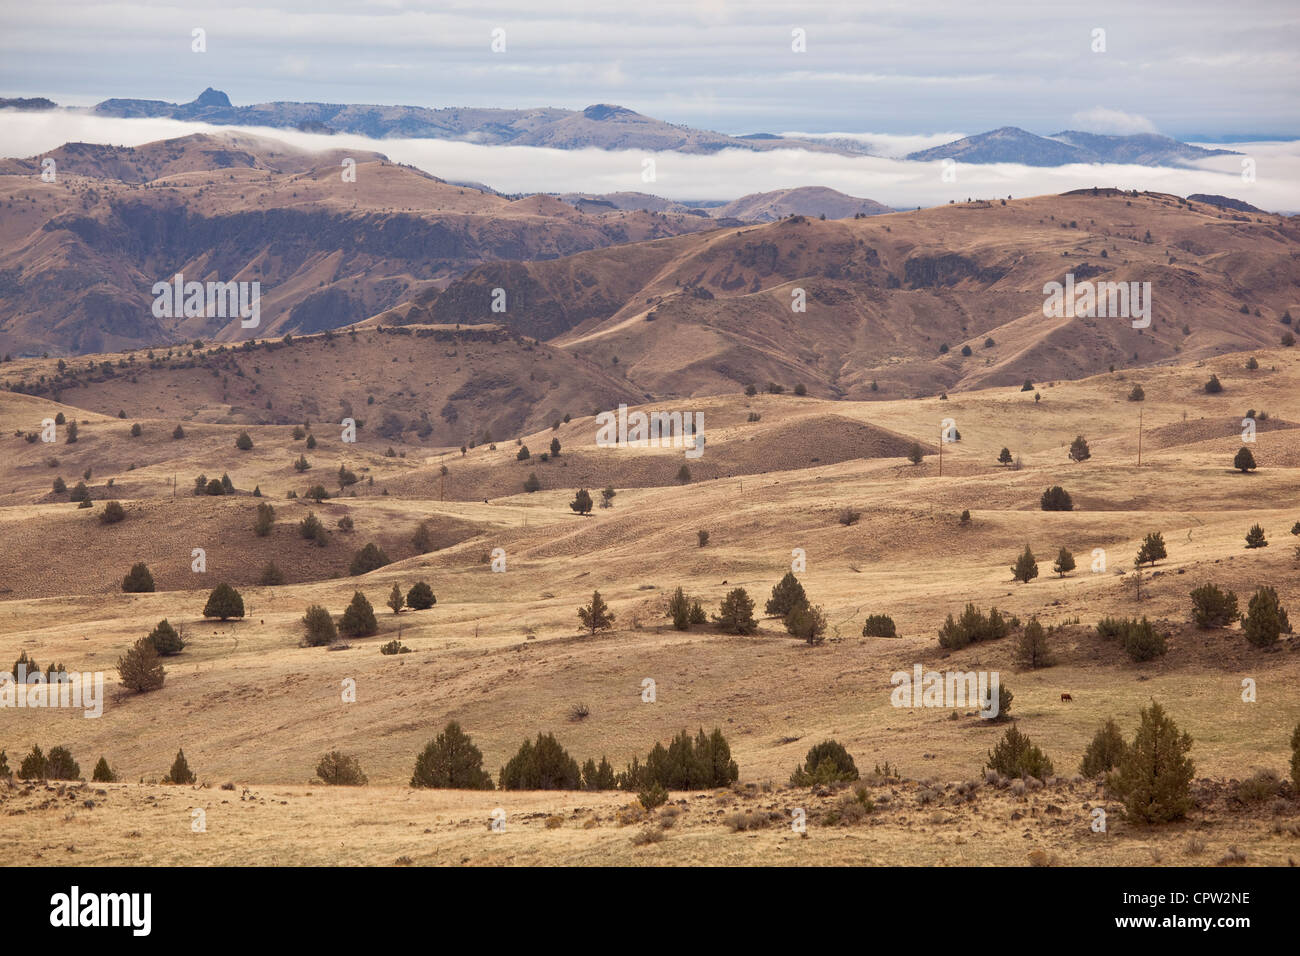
x: 725, y: 175
x: 1099, y: 119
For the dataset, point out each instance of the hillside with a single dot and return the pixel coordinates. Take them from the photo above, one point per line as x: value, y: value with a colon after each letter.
x: 79, y: 257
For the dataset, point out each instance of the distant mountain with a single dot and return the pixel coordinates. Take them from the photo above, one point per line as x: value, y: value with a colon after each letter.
x: 812, y: 201
x: 1223, y: 202
x: 602, y: 126
x: 1011, y: 144
x: 31, y: 103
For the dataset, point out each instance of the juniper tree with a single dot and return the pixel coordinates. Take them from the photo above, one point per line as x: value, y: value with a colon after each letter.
x: 914, y: 454
x: 138, y: 580
x: 103, y: 773
x: 806, y: 621
x: 420, y: 597
x: 338, y: 769
x: 451, y: 762
x: 1032, y: 650
x: 180, y: 772
x: 395, y: 598
x: 358, y: 618
x: 607, y: 497
x: 224, y: 603
x: 1265, y: 620
x: 140, y: 669
x: 1079, y: 449
x: 531, y: 483
x: 1064, y: 563
x: 826, y: 763
x: 1153, y: 549
x: 736, y: 613
x: 1056, y: 498
x: 1212, y: 607
x: 166, y: 640
x: 596, y: 616
x: 581, y: 502
x: 1026, y: 568
x: 544, y: 765
x: 318, y: 627
x: 1155, y: 773
x: 679, y: 609
x: 1255, y: 537
x: 34, y: 765
x: 60, y: 765
x: 1105, y: 751
x: 786, y: 593
x: 1004, y: 456
x: 265, y: 520
x: 1015, y: 755
x: 243, y: 442
x: 369, y: 558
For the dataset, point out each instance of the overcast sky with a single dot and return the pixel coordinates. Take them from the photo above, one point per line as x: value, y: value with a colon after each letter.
x: 1192, y: 69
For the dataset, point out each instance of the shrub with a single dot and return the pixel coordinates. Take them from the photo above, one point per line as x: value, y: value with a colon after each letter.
x: 138, y: 580
x: 683, y: 474
x: 140, y: 669
x: 358, y: 618
x: 420, y: 597
x: 178, y: 432
x: 1141, y: 641
x: 318, y: 627
x: 679, y: 609
x: 265, y: 520
x: 103, y: 773
x: 166, y: 641
x: 113, y: 513
x: 1026, y: 568
x: 1079, y: 449
x: 653, y: 796
x: 596, y: 616
x: 1015, y: 755
x: 224, y: 602
x: 581, y: 502
x: 368, y: 559
x: 451, y: 762
x: 703, y: 537
x: 1213, y: 386
x: 914, y: 453
x: 311, y: 441
x: 736, y: 613
x: 340, y: 770
x: 60, y: 486
x: 555, y: 448
x: 79, y: 492
x: 1056, y: 498
x: 243, y: 442
x: 972, y: 627
x: 394, y: 647
x: 1105, y: 752
x: 1255, y: 537
x: 180, y: 772
x: 544, y: 765
x: 531, y: 484
x: 60, y: 765
x: 879, y: 625
x: 807, y: 621
x: 1155, y: 774
x: 311, y: 528
x: 395, y: 598
x: 826, y: 762
x: 786, y: 594
x: 301, y: 464
x: 1265, y: 619
x: 271, y: 575
x: 1032, y: 650
x: 1137, y: 394
x: 849, y: 516
x: 1212, y: 607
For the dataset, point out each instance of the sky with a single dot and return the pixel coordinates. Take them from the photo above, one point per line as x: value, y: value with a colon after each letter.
x: 1204, y: 71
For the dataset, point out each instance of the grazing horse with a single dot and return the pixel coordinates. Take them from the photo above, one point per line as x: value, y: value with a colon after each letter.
x: 1066, y: 697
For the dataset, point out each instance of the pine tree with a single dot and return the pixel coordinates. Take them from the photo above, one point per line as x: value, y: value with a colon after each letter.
x: 581, y: 502
x: 1064, y: 563
x: 1004, y: 456
x: 395, y: 598
x: 736, y: 613
x: 180, y: 772
x: 103, y: 773
x: 1026, y: 568
x: 786, y: 593
x: 596, y: 616
x: 1155, y: 772
x: 358, y: 618
x: 451, y: 762
x: 224, y: 602
x: 1079, y: 449
x: 1105, y: 752
x: 140, y: 669
x: 1032, y: 650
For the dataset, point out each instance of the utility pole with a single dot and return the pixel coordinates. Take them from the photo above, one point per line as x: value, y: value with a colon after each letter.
x: 1139, y: 437
x: 940, y: 452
